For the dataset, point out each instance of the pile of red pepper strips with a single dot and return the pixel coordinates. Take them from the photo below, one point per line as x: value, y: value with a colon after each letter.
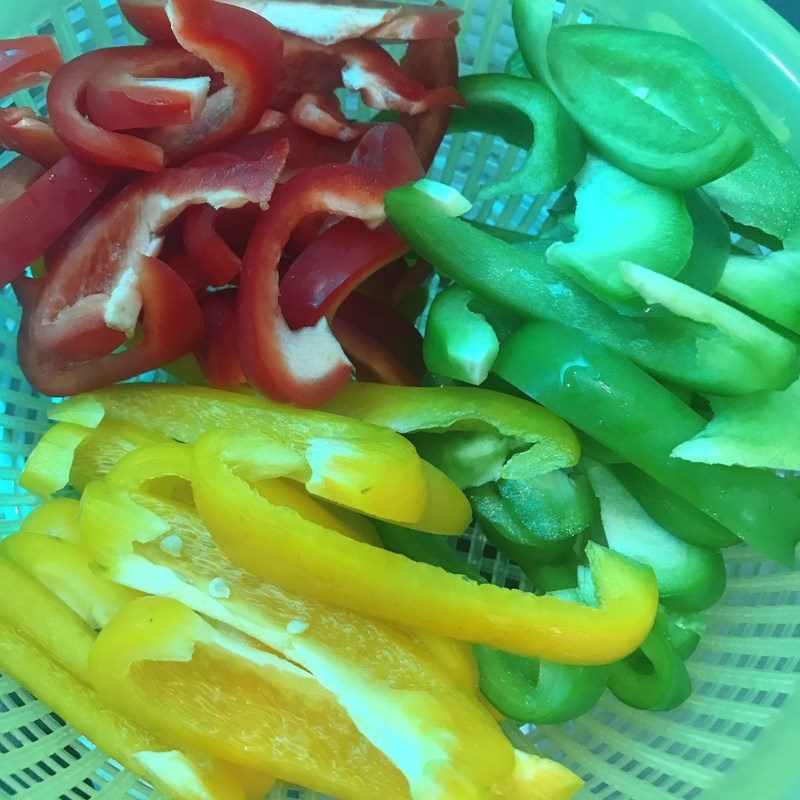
x: 185, y: 178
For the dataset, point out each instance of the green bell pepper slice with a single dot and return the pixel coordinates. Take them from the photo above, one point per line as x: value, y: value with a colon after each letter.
x: 622, y: 219
x: 654, y: 677
x: 684, y: 632
x: 459, y: 343
x: 526, y: 114
x: 617, y: 403
x: 770, y: 286
x: 689, y: 578
x: 672, y: 512
x: 758, y: 431
x: 516, y: 65
x: 519, y: 278
x: 710, y: 244
x: 541, y: 440
x: 634, y: 94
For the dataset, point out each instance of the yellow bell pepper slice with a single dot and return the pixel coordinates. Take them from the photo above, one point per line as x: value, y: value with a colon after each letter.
x: 283, y: 548
x: 58, y: 518
x: 48, y: 466
x: 45, y: 647
x: 442, y: 740
x: 537, y: 778
x: 173, y: 672
x: 373, y: 470
x: 544, y: 441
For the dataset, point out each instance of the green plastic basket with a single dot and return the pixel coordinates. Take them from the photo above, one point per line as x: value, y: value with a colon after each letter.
x: 738, y: 736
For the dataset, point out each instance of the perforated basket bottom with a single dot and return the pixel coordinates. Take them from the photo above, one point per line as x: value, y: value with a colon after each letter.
x: 745, y: 669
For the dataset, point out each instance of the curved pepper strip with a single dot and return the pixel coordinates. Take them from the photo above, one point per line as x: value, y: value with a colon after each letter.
x: 87, y: 140
x: 689, y: 578
x: 672, y: 512
x: 173, y: 672
x: 321, y: 113
x: 611, y: 399
x: 66, y: 191
x: 526, y: 114
x: 47, y: 468
x: 550, y: 443
x: 123, y: 102
x: 706, y: 358
x: 332, y: 267
x: 212, y: 255
x: 354, y: 464
x: 442, y: 740
x: 246, y: 50
x: 218, y: 353
x: 654, y: 678
x: 27, y: 62
x: 308, y: 367
x: 322, y: 22
x: 634, y: 94
x: 57, y: 518
x: 45, y: 646
x: 621, y: 219
x: 90, y: 299
x: 432, y: 600
x: 22, y: 131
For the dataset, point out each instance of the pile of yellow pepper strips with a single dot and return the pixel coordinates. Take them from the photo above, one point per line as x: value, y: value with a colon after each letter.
x: 216, y: 610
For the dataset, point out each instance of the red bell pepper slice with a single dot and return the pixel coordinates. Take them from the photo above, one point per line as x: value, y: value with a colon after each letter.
x: 434, y: 64
x: 325, y: 22
x: 32, y: 222
x: 92, y: 295
x: 127, y: 102
x: 246, y: 50
x: 27, y: 62
x: 203, y: 244
x: 322, y: 114
x: 218, y: 353
x: 89, y: 141
x: 22, y: 131
x: 171, y: 326
x: 16, y: 177
x: 307, y: 367
x: 333, y: 266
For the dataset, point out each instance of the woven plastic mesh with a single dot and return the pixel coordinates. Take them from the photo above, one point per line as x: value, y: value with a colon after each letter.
x: 745, y: 669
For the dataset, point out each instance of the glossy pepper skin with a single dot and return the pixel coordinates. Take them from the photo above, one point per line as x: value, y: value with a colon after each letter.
x: 606, y: 395
x: 46, y: 647
x: 26, y: 62
x: 432, y: 600
x: 526, y: 114
x: 24, y: 132
x: 518, y: 278
x: 687, y: 144
x: 347, y: 455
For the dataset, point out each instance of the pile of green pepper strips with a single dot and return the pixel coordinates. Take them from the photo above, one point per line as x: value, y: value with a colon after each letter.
x: 629, y: 315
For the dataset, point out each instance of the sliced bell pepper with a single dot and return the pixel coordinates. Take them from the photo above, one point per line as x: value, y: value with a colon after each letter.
x: 550, y: 443
x: 770, y: 286
x: 90, y: 298
x: 684, y: 631
x: 246, y: 50
x: 174, y: 673
x: 208, y: 251
x: 689, y: 578
x: 634, y: 94
x: 354, y: 464
x: 86, y: 139
x: 526, y: 114
x: 615, y: 402
x: 22, y: 131
x: 621, y: 219
x: 755, y: 431
x: 537, y: 778
x: 326, y: 23
x: 321, y: 113
x: 47, y: 468
x: 441, y: 739
x: 57, y: 518
x: 218, y: 352
x: 124, y: 102
x: 432, y: 600
x: 308, y: 367
x: 434, y: 64
x: 518, y: 278
x: 459, y: 342
x: 16, y: 177
x: 66, y: 190
x: 654, y: 678
x: 333, y: 266
x: 27, y: 62
x: 672, y: 512
x: 45, y: 646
